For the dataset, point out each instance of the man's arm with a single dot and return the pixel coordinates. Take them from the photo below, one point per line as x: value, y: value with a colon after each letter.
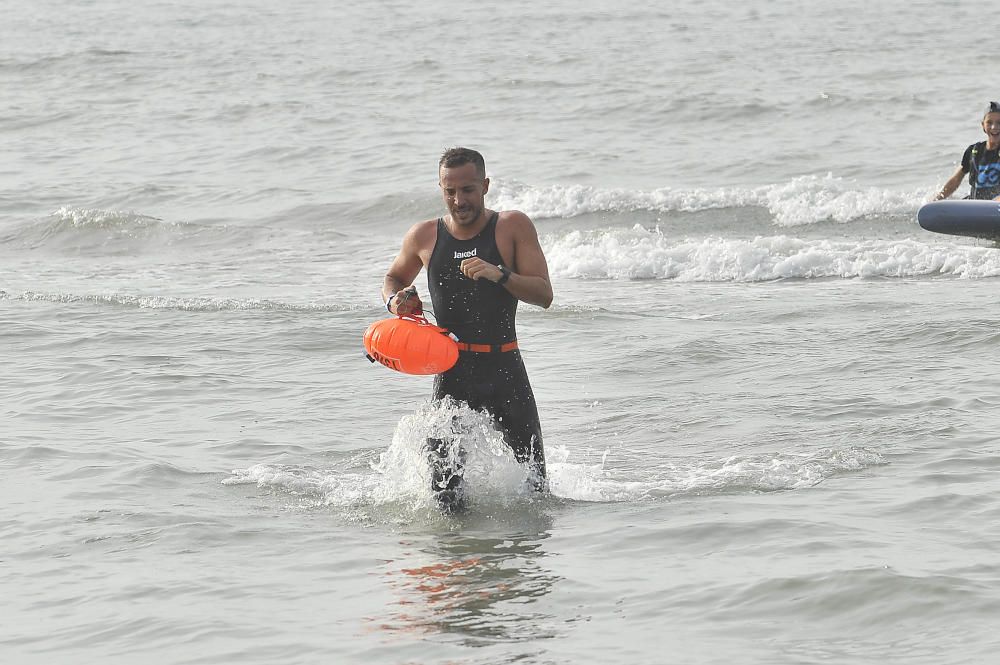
x: 404, y: 269
x: 529, y: 276
x: 951, y: 184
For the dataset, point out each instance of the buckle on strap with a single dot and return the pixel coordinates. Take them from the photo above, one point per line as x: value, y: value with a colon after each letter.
x: 487, y: 348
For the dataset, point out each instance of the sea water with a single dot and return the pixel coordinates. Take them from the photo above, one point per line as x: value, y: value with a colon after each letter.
x: 766, y: 394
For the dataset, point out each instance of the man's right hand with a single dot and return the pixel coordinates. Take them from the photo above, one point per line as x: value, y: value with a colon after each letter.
x: 404, y: 302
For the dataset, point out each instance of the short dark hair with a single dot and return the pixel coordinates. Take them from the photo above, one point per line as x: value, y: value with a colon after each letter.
x: 453, y: 157
x: 994, y: 107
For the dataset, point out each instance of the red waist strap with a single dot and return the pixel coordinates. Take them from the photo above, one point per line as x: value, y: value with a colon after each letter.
x: 487, y: 348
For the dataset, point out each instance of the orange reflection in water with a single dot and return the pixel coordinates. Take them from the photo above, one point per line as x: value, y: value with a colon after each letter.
x: 478, y: 589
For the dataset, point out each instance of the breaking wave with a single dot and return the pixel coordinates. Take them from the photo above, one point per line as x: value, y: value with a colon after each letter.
x: 805, y: 200
x: 640, y: 253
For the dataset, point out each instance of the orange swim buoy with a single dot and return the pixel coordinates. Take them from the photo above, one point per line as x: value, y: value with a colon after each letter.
x: 411, y: 345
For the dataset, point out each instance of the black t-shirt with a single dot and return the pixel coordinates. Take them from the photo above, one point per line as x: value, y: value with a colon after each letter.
x: 983, y: 167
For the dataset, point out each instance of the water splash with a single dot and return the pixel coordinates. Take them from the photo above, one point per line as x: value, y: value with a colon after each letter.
x: 401, y: 475
x: 398, y: 482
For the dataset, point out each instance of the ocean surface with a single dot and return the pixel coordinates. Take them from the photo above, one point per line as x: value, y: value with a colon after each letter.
x: 770, y: 401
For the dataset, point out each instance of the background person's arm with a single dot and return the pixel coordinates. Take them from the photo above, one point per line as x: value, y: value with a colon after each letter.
x: 951, y: 184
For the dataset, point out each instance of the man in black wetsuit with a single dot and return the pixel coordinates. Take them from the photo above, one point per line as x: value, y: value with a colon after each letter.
x: 981, y: 162
x: 479, y: 263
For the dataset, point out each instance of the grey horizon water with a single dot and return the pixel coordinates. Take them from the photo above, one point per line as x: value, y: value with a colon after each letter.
x: 766, y: 393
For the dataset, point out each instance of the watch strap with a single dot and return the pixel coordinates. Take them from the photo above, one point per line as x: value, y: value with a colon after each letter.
x: 505, y: 276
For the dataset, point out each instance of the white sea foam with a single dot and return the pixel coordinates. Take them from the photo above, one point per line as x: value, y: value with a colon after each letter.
x: 755, y: 473
x: 804, y: 200
x: 640, y: 253
x: 193, y: 304
x: 68, y: 216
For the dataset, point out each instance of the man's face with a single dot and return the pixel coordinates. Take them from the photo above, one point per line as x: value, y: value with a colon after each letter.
x: 991, y: 125
x: 464, y: 192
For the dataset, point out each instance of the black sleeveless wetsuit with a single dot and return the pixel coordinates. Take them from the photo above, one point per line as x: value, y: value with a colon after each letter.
x: 983, y: 167
x: 482, y: 312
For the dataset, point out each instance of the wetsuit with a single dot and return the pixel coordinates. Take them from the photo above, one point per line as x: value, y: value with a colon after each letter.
x: 482, y: 312
x: 983, y: 167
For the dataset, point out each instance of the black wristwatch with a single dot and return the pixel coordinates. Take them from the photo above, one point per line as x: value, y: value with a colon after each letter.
x: 505, y: 276
x: 388, y: 301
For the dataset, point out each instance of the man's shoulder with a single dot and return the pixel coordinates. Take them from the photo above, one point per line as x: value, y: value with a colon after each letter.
x: 424, y: 226
x: 423, y: 229
x: 514, y: 221
x: 420, y: 236
x: 513, y: 214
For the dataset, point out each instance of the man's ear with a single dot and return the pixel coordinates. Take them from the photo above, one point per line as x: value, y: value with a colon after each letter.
x: 486, y: 184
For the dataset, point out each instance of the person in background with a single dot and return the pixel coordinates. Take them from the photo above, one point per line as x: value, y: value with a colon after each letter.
x: 981, y: 162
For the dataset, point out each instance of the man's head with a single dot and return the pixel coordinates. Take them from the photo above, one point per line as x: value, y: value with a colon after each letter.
x: 454, y: 157
x: 991, y: 121
x: 462, y: 176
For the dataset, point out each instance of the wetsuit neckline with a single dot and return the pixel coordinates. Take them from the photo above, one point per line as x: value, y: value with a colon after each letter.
x: 492, y: 220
